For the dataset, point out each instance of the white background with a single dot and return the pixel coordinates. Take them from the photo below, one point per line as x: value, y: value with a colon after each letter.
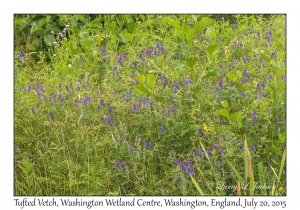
x: 9, y: 8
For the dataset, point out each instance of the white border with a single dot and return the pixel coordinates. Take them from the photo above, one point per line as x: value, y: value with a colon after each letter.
x: 153, y: 6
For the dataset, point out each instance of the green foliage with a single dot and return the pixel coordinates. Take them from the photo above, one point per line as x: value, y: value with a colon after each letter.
x: 149, y: 104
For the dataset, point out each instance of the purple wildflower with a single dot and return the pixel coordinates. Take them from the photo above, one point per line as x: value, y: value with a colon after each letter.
x: 102, y: 102
x: 135, y: 64
x: 170, y: 111
x: 254, y: 117
x: 187, y: 82
x: 33, y: 110
x: 165, y: 83
x: 148, y: 52
x: 201, y: 131
x: 199, y: 152
x: 221, y: 83
x: 208, y: 152
x: 253, y: 148
x: 162, y: 129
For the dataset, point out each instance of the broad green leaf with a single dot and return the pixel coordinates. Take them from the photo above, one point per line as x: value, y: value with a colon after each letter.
x: 236, y: 117
x: 223, y: 112
x: 140, y: 78
x: 232, y: 76
x: 37, y: 28
x: 64, y: 18
x: 213, y: 34
x: 48, y: 39
x: 166, y: 20
x: 224, y: 103
x: 277, y: 44
x: 111, y: 26
x: 211, y: 49
x: 202, y: 24
x: 132, y: 27
x: 128, y: 36
x: 176, y: 24
x: 240, y: 86
x: 265, y: 57
x: 210, y: 73
x: 160, y: 99
x: 151, y: 79
x: 191, y: 61
x: 273, y: 149
x: 280, y: 73
x: 140, y: 88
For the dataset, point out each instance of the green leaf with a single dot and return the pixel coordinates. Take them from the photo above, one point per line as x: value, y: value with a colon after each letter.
x: 232, y: 76
x: 140, y: 89
x: 176, y: 24
x: 210, y: 50
x: 223, y: 112
x: 240, y: 86
x: 132, y: 27
x: 63, y: 17
x: 166, y: 20
x: 236, y: 117
x: 191, y: 61
x: 224, y: 103
x: 265, y: 57
x: 140, y: 78
x: 202, y: 24
x: 277, y: 44
x: 273, y: 149
x: 151, y: 79
x: 160, y: 99
x: 210, y: 73
x: 128, y: 36
x: 112, y: 27
x: 48, y: 39
x: 153, y: 71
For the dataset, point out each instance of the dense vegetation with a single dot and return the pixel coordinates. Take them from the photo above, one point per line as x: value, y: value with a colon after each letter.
x: 150, y: 105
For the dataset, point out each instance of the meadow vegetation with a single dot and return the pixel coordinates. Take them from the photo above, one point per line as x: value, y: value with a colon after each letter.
x: 150, y: 105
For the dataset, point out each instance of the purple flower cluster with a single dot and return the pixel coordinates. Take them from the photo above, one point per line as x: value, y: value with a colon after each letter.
x: 132, y: 148
x: 22, y: 55
x: 121, y: 57
x: 118, y: 164
x: 247, y: 59
x: 148, y: 52
x: 188, y: 82
x: 268, y: 36
x: 233, y: 63
x: 188, y: 166
x: 175, y: 86
x: 104, y: 53
x: 254, y: 117
x: 147, y: 145
x: 108, y: 120
x: 137, y: 107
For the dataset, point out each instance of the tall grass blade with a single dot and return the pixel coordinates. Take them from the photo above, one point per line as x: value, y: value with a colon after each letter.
x: 261, y: 176
x: 282, y: 164
x: 197, y: 186
x: 238, y: 188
